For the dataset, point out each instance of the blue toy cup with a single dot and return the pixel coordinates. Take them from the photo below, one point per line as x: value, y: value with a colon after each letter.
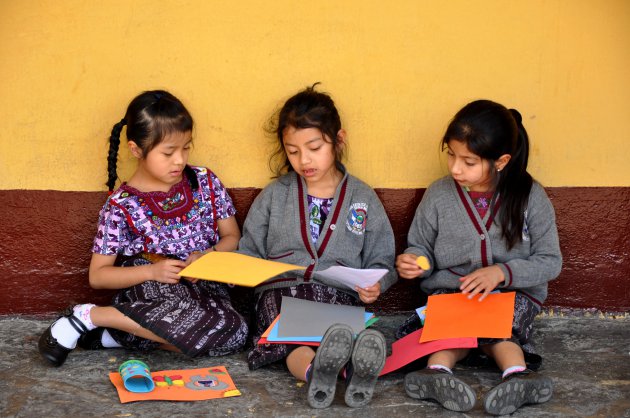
x: 136, y: 376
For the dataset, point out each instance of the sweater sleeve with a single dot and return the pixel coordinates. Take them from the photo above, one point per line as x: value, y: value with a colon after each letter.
x: 545, y: 259
x: 256, y: 226
x: 379, y: 248
x: 423, y: 231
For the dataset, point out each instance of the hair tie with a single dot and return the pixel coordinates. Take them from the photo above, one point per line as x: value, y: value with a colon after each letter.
x: 517, y: 116
x: 123, y: 122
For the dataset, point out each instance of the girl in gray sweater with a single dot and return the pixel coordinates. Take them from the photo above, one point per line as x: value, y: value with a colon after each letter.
x: 317, y: 215
x: 487, y: 226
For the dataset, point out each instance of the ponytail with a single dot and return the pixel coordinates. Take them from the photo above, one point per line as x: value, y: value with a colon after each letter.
x: 112, y: 156
x: 514, y: 186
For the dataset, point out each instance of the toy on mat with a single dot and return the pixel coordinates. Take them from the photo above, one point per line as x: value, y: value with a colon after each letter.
x: 136, y: 376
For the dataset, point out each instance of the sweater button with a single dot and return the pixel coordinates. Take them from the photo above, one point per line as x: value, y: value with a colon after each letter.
x: 333, y: 226
x: 312, y: 261
x: 482, y: 236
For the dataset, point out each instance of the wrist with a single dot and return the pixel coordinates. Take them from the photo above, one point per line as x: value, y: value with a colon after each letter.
x: 209, y: 250
x: 501, y: 277
x: 150, y: 274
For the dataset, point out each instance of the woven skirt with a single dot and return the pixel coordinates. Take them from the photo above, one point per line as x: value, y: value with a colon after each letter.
x: 197, y: 318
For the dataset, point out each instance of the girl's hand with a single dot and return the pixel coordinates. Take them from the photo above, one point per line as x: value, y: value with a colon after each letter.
x: 484, y: 280
x: 193, y: 257
x: 407, y: 267
x: 165, y: 271
x: 369, y: 294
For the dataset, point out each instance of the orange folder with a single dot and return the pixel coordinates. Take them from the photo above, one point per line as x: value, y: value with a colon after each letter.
x: 455, y: 316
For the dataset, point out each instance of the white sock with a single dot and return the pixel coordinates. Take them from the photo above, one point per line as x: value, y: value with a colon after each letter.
x: 63, y: 330
x: 440, y: 367
x: 83, y: 313
x: 108, y: 341
x: 510, y: 370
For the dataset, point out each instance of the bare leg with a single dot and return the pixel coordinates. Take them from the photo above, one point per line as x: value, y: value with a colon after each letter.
x: 448, y: 357
x: 517, y: 389
x: 505, y: 354
x: 299, y: 360
x: 110, y: 317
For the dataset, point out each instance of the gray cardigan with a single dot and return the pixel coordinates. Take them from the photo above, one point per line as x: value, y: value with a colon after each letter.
x: 356, y: 234
x: 448, y: 230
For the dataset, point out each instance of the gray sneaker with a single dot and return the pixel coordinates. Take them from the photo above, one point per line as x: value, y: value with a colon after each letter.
x: 516, y: 390
x: 368, y: 359
x: 441, y: 386
x: 332, y: 354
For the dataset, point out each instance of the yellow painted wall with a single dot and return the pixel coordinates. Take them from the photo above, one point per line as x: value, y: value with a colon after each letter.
x: 398, y: 71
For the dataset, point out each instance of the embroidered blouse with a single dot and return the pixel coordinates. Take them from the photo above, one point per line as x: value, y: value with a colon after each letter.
x: 481, y: 201
x: 174, y: 223
x: 318, y: 209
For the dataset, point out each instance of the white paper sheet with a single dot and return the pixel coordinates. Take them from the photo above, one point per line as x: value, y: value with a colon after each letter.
x: 352, y: 278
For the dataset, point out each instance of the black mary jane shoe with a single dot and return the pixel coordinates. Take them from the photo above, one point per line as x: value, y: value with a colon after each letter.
x: 49, y: 347
x: 92, y: 340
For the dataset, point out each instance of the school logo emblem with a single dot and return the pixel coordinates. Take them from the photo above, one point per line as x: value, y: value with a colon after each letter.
x: 357, y: 217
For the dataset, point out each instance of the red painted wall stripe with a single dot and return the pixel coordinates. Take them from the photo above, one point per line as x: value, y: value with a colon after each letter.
x: 47, y: 237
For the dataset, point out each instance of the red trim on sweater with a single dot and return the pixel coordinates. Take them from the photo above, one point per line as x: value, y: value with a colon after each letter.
x: 333, y: 221
x: 471, y: 215
x: 304, y: 230
x: 510, y: 273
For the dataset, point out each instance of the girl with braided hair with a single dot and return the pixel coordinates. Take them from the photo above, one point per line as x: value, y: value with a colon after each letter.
x: 156, y: 223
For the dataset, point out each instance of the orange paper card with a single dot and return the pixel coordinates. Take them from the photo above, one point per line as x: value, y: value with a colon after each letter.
x: 181, y: 385
x: 234, y: 268
x: 455, y: 316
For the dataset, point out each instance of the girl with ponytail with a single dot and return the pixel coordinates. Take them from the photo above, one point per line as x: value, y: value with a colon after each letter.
x: 488, y: 226
x: 155, y: 224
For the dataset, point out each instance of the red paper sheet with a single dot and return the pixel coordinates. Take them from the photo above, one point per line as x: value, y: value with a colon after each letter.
x: 454, y: 316
x: 408, y: 349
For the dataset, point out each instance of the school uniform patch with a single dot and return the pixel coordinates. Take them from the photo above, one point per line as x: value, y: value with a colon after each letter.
x: 357, y: 217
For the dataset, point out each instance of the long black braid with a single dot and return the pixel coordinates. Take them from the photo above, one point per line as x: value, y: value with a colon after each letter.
x: 112, y: 156
x: 150, y: 117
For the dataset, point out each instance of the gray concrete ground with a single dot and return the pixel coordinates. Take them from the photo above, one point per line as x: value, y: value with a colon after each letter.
x: 588, y: 358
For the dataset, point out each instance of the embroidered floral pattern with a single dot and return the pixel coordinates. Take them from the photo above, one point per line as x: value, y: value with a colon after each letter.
x: 481, y: 201
x: 318, y: 213
x: 177, y: 222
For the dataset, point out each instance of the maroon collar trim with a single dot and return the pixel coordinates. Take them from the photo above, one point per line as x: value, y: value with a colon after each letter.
x: 471, y: 215
x: 333, y: 221
x: 304, y: 226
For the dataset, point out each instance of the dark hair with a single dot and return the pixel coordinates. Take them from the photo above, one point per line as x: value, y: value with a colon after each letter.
x: 490, y: 130
x: 306, y: 109
x: 150, y: 117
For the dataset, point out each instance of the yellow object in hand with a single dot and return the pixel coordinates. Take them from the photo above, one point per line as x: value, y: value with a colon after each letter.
x: 423, y: 262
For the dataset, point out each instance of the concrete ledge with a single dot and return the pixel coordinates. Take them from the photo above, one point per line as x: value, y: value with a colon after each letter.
x: 587, y: 358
